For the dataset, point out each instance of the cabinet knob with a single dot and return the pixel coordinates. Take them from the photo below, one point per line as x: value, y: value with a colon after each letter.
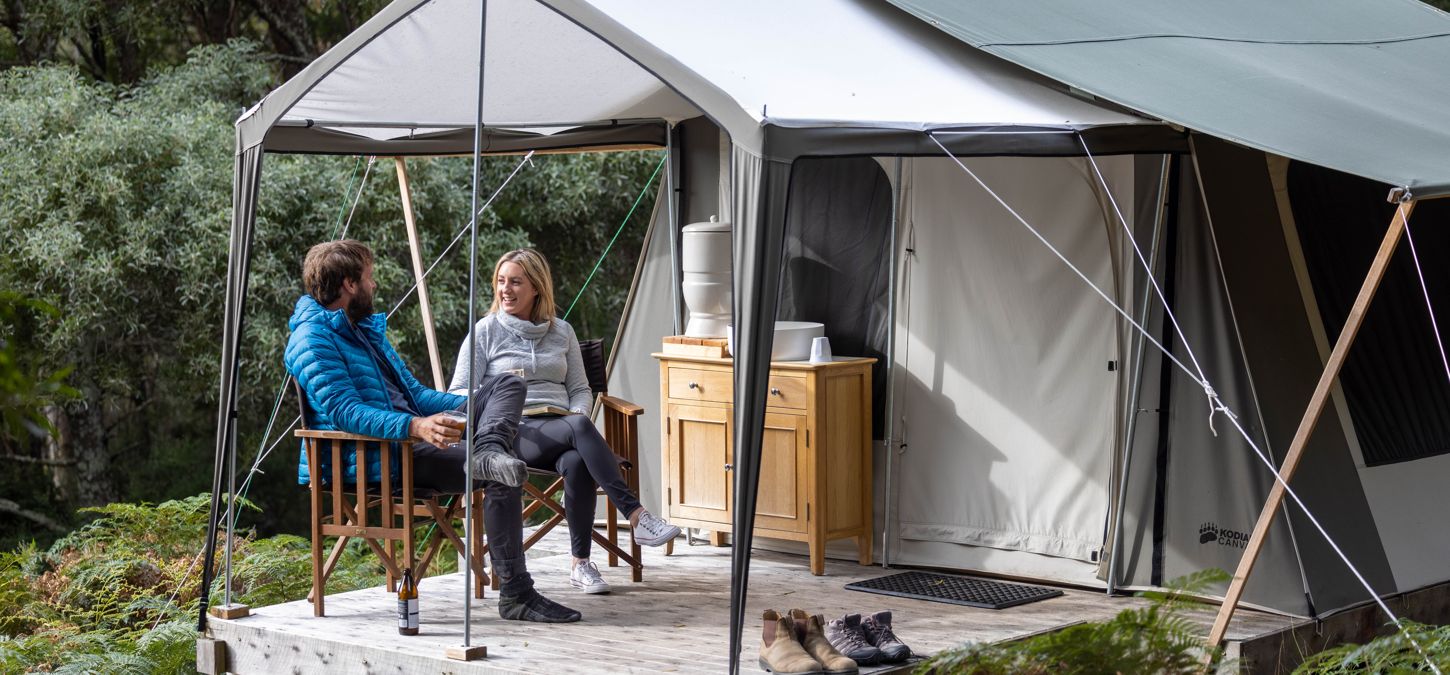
x: 729, y: 467
x: 693, y: 385
x: 775, y: 391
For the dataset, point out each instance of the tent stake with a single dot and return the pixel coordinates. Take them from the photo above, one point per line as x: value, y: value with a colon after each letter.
x: 1352, y: 324
x: 419, y: 275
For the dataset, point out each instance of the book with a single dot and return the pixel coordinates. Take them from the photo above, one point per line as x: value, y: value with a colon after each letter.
x: 536, y: 410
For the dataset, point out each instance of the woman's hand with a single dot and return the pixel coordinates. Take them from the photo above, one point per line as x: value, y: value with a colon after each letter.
x: 441, y: 430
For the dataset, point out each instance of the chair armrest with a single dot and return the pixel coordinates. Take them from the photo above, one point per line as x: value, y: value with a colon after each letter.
x: 620, y: 405
x: 340, y: 435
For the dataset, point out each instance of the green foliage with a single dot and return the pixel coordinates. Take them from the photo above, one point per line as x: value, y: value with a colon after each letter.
x: 24, y: 390
x: 119, y: 594
x: 1153, y: 639
x: 1395, y: 652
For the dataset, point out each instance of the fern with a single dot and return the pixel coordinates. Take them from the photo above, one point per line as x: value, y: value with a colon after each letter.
x: 1152, y: 639
x: 1392, y: 653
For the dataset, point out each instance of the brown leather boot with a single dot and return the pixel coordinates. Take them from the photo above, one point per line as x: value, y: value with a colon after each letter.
x: 811, y: 632
x: 780, y: 653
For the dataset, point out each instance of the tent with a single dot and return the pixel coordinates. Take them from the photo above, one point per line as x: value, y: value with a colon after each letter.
x: 1009, y: 389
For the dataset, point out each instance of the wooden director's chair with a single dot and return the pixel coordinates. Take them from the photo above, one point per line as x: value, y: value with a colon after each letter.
x: 383, y: 514
x: 621, y: 432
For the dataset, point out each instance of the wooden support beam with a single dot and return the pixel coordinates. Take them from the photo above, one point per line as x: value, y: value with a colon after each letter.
x: 418, y: 270
x: 1311, y: 417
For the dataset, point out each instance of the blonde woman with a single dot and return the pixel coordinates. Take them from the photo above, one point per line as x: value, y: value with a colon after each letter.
x: 521, y: 332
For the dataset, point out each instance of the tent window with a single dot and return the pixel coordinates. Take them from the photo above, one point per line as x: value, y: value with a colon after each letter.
x: 838, y: 227
x: 1394, y: 380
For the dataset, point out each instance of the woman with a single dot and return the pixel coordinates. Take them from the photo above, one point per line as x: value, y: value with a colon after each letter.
x: 520, y: 332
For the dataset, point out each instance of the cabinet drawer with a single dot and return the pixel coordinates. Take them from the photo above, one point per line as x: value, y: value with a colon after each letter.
x: 786, y: 392
x: 689, y: 384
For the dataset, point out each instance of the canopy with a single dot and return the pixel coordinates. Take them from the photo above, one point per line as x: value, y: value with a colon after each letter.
x: 1354, y: 86
x: 575, y: 73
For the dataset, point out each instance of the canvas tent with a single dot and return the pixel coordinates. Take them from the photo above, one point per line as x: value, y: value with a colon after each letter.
x: 1009, y: 381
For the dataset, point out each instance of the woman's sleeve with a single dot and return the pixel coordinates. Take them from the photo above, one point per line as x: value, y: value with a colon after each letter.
x: 464, y: 364
x: 581, y: 399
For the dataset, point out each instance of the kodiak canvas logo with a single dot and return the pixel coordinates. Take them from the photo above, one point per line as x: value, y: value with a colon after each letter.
x: 1209, y: 533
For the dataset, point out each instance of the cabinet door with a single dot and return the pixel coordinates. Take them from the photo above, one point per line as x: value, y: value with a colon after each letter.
x: 699, y: 445
x: 780, y: 501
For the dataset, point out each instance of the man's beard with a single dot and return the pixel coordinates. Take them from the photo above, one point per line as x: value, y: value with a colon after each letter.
x: 360, y: 307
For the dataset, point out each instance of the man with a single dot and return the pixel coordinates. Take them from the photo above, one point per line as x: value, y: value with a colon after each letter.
x: 355, y: 382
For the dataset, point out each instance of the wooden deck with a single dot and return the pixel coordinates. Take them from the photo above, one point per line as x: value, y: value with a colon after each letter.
x: 675, y: 621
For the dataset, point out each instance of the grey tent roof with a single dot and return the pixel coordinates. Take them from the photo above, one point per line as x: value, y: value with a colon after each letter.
x: 1354, y: 85
x: 578, y: 73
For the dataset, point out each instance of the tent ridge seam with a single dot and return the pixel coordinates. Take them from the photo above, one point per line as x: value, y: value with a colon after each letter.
x: 1213, y: 38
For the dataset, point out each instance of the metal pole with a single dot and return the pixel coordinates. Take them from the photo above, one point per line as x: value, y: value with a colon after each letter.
x: 670, y: 218
x: 1135, y: 383
x: 472, y: 318
x: 890, y: 443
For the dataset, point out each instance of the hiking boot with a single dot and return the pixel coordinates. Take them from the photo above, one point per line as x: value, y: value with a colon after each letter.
x: 586, y: 577
x: 878, y: 630
x: 780, y: 653
x: 848, y: 637
x: 530, y: 606
x: 652, y: 530
x: 810, y: 631
x: 498, y: 466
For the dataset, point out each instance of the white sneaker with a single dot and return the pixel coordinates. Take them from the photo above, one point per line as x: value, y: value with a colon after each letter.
x: 586, y: 577
x: 652, y: 530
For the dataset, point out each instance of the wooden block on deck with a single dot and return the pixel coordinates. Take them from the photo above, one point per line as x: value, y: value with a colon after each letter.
x: 470, y: 653
x: 211, y: 656
x: 232, y: 611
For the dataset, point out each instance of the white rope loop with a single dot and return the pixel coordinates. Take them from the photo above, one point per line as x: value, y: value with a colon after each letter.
x: 1215, y: 402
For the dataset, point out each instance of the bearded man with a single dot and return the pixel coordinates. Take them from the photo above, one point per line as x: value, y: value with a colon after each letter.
x: 355, y: 381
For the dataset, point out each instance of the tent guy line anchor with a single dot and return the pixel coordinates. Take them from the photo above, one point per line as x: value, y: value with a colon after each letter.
x: 1281, y: 485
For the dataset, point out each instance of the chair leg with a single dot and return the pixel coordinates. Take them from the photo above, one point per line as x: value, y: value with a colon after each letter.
x: 319, y: 590
x: 611, y: 530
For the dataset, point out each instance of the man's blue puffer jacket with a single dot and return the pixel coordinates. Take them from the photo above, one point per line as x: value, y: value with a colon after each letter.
x: 344, y: 387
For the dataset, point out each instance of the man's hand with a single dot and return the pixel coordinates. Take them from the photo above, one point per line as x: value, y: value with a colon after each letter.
x: 440, y: 430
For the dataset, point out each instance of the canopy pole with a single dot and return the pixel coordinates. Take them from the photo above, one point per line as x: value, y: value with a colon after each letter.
x: 1311, y: 417
x: 889, y: 444
x: 419, y: 276
x: 471, y: 424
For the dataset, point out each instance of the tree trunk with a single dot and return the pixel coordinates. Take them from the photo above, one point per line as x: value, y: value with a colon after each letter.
x: 58, y: 449
x: 96, y: 482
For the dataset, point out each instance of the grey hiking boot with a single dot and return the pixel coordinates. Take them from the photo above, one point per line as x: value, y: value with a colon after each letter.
x: 499, y: 467
x: 878, y: 630
x: 848, y: 637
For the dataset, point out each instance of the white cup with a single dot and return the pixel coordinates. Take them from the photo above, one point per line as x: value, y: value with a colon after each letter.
x: 820, y: 350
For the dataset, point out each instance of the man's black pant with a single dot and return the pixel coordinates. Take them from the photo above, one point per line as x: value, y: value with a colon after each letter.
x: 497, y: 404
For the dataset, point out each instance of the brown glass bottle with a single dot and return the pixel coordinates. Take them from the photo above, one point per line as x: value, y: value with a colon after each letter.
x: 408, y: 604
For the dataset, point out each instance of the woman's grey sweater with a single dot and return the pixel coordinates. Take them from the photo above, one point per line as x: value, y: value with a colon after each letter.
x: 548, y: 353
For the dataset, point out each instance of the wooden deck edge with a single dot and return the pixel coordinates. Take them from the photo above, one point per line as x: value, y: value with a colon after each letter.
x: 1281, y: 651
x: 246, y: 650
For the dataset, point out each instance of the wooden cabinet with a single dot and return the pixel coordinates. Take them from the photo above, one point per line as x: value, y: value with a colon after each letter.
x: 815, y: 464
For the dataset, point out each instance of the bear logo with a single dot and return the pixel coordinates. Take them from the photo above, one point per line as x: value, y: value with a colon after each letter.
x: 1207, y: 532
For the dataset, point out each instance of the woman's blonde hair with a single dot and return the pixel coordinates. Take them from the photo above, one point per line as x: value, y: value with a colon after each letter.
x: 536, y: 269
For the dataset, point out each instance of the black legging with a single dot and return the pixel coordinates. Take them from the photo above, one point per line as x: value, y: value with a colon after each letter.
x: 572, y: 447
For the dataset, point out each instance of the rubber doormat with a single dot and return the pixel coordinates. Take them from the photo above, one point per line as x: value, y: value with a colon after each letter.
x: 969, y: 591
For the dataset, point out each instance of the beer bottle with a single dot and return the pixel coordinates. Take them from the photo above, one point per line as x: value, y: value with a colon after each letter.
x: 408, y: 604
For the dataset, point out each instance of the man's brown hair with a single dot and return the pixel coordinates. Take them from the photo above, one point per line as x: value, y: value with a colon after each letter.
x: 329, y: 263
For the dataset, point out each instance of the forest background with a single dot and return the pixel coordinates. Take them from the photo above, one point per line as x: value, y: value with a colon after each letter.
x: 116, y: 145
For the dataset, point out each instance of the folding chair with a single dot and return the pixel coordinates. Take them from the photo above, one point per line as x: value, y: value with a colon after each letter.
x: 621, y: 433
x: 382, y: 517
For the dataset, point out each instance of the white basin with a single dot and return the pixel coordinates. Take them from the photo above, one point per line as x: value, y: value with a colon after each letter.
x: 792, y: 340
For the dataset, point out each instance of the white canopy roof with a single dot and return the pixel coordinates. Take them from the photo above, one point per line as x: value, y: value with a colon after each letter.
x: 412, y: 73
